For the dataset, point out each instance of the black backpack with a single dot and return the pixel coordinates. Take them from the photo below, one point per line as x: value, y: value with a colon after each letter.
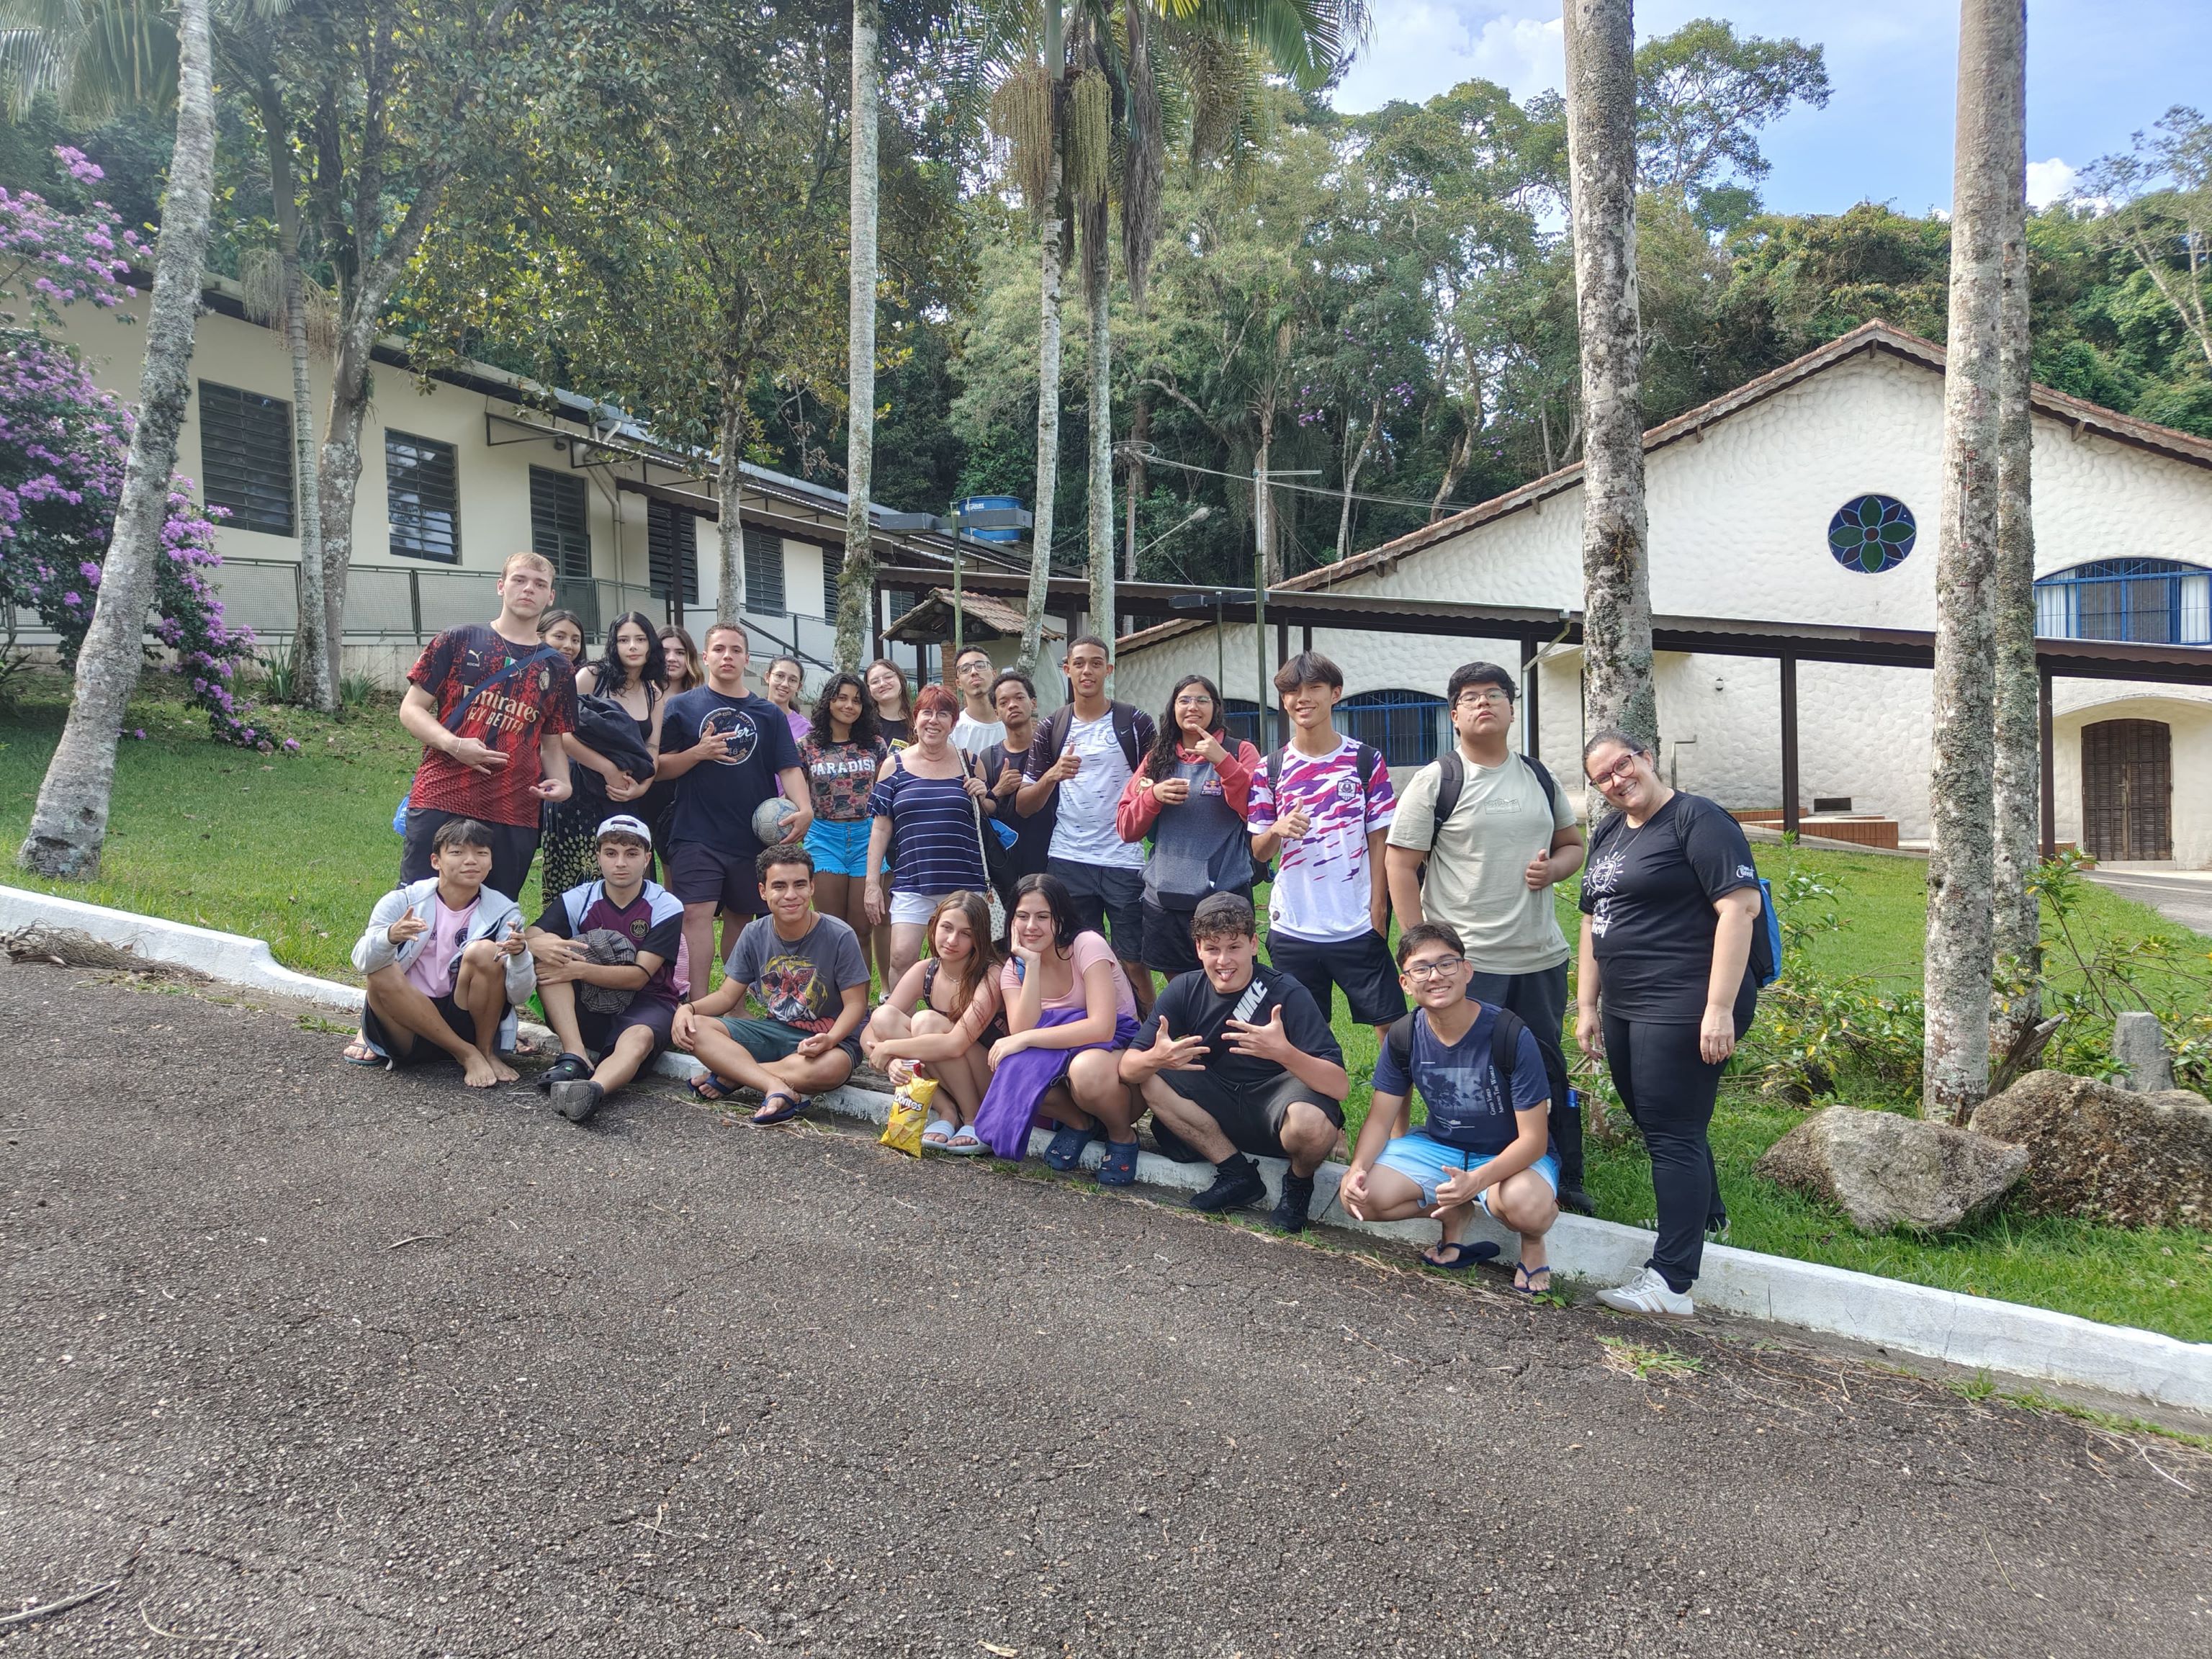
x: 1764, y: 960
x: 1505, y: 1049
x: 1453, y: 779
x: 1367, y: 759
x: 1130, y: 727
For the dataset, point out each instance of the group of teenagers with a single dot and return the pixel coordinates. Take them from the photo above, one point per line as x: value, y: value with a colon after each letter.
x: 1017, y: 885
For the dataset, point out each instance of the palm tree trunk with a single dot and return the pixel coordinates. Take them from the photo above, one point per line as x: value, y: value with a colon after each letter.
x: 1047, y: 458
x: 313, y: 654
x: 69, y: 823
x: 856, y: 582
x: 1602, y: 160
x: 1962, y: 829
x: 1097, y: 293
x: 2017, y: 935
x: 729, y: 489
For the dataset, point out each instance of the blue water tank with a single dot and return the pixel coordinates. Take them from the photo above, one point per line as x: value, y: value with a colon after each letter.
x: 975, y: 502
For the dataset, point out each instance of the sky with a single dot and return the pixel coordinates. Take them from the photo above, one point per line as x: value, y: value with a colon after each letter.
x: 2098, y: 71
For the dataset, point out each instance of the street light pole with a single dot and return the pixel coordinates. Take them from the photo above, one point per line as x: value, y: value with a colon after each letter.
x: 1261, y: 523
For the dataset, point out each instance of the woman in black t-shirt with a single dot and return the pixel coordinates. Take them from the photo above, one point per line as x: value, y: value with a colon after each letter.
x: 1669, y: 901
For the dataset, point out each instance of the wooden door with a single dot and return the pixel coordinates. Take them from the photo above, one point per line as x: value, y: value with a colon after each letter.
x: 2127, y: 785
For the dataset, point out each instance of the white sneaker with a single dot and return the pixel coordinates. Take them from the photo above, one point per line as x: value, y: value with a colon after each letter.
x: 1649, y: 1293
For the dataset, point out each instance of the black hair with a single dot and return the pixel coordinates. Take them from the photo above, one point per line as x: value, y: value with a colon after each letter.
x: 863, y: 728
x: 1105, y: 649
x: 1066, y: 924
x: 1429, y: 933
x: 460, y: 832
x: 552, y: 619
x: 1308, y: 668
x: 1224, y: 915
x: 1478, y: 673
x: 1018, y: 679
x: 1161, y: 760
x: 967, y: 651
x: 790, y: 852
x: 610, y: 674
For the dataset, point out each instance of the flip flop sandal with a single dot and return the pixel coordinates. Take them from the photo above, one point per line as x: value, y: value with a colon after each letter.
x: 771, y: 1114
x: 1525, y: 1278
x: 965, y: 1143
x: 569, y: 1068
x: 358, y: 1053
x: 709, y: 1088
x: 937, y: 1133
x: 1464, y: 1257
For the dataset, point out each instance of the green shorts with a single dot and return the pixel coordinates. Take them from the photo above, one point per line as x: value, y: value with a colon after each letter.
x: 770, y: 1040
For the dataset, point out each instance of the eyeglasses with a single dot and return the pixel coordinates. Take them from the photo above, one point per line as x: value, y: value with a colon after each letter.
x: 1435, y: 968
x: 1493, y: 698
x: 1615, y: 774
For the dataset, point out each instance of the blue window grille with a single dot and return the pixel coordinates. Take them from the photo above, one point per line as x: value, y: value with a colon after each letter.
x: 1410, y: 727
x: 1242, y: 716
x: 2144, y: 601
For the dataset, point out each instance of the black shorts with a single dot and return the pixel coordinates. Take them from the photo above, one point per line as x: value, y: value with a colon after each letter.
x: 1251, y: 1117
x: 699, y: 874
x: 512, y: 846
x: 1109, y: 900
x: 405, y: 1048
x: 1361, y: 966
x: 1167, y: 944
x: 601, y: 1032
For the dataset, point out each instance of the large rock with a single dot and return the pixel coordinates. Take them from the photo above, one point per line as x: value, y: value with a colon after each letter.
x: 2108, y: 1154
x: 1885, y: 1171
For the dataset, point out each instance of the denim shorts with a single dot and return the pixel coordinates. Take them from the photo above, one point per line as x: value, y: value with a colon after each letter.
x: 840, y: 849
x: 1428, y: 1162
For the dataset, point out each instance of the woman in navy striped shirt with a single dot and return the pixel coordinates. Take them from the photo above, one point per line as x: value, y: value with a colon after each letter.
x: 926, y: 814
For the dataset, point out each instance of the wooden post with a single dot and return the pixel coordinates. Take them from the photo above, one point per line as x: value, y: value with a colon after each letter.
x: 1789, y: 745
x: 2050, y: 748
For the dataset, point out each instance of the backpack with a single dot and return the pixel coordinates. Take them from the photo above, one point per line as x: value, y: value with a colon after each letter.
x: 1505, y: 1049
x: 1452, y: 779
x: 1126, y: 719
x: 1368, y: 760
x: 1765, y: 959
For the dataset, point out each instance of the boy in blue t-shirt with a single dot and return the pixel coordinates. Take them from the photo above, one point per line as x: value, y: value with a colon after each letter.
x: 1489, y: 1105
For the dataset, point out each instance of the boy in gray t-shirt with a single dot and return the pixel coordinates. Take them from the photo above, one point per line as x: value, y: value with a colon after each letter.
x: 1508, y: 838
x: 807, y: 971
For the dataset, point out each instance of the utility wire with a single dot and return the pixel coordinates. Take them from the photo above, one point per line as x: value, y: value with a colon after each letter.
x: 1154, y: 458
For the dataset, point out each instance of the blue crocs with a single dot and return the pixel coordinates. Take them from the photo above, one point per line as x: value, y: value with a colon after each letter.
x: 1119, y: 1168
x: 1067, y: 1149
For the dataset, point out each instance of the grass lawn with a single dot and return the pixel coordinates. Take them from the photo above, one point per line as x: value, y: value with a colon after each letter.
x: 295, y: 849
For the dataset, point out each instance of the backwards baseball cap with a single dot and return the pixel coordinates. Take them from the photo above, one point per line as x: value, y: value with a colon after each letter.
x: 624, y: 825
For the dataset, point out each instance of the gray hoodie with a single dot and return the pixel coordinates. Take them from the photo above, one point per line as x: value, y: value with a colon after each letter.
x: 375, y: 950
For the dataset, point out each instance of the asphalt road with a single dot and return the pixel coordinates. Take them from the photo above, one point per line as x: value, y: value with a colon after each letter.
x: 2180, y: 896
x: 318, y: 1361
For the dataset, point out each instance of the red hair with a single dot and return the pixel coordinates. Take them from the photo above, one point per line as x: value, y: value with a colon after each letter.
x: 935, y: 700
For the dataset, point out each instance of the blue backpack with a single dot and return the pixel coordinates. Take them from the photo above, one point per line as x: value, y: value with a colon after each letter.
x: 1766, y: 961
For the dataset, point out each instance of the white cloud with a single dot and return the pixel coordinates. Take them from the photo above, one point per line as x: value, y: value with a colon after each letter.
x: 1419, y: 48
x: 2048, y: 182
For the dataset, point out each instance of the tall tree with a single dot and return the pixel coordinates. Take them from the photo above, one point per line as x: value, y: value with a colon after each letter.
x: 1962, y: 829
x: 2162, y: 191
x: 856, y: 582
x: 1601, y: 162
x: 2016, y: 939
x: 1703, y: 95
x: 69, y: 825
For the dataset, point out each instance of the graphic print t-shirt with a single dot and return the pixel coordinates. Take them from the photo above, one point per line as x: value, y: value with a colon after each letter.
x: 1190, y: 1006
x: 510, y: 718
x: 653, y: 923
x: 842, y: 776
x: 1458, y: 1083
x: 1649, y: 892
x: 801, y: 983
x: 1321, y: 879
x: 714, y: 800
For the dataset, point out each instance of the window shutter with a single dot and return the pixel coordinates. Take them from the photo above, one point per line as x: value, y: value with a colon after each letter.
x: 245, y: 457
x: 764, y: 573
x: 671, y: 551
x: 560, y: 522
x: 833, y: 562
x: 422, y: 481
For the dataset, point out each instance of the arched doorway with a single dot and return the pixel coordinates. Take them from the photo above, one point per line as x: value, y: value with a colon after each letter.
x: 2127, y: 790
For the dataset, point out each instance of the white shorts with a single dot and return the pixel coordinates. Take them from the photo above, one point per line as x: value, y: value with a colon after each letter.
x: 912, y: 909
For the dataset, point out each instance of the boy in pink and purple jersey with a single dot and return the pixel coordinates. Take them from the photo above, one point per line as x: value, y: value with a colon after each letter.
x: 1323, y: 801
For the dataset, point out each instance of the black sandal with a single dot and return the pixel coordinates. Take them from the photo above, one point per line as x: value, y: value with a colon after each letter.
x: 1464, y: 1257
x: 1525, y: 1277
x: 569, y: 1068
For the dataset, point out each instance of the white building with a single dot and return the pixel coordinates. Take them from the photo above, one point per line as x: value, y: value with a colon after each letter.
x: 472, y: 465
x: 1755, y: 501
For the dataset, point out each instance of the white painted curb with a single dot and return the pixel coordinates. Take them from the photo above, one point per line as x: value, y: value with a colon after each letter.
x: 1975, y: 1332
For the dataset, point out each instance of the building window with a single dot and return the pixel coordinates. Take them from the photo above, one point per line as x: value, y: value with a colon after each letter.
x: 245, y: 457
x: 2144, y: 601
x: 561, y: 522
x: 832, y: 565
x: 1872, y: 533
x: 1410, y: 727
x: 1241, y: 715
x: 763, y: 573
x: 671, y: 552
x: 422, y: 478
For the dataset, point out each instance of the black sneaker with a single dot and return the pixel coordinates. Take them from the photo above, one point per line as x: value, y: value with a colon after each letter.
x: 1236, y: 1186
x: 1575, y: 1198
x: 577, y: 1101
x: 1292, y: 1208
x: 569, y: 1068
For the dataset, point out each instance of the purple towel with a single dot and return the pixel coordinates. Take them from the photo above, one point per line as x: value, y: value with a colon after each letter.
x: 1009, y: 1105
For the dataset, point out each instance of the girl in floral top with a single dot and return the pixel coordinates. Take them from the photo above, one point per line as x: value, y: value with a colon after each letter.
x: 842, y: 751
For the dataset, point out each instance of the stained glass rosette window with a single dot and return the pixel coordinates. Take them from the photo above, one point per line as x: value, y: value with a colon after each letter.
x: 1872, y: 533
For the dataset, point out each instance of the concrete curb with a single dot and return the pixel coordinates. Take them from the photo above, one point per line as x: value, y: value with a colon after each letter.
x: 1975, y: 1332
